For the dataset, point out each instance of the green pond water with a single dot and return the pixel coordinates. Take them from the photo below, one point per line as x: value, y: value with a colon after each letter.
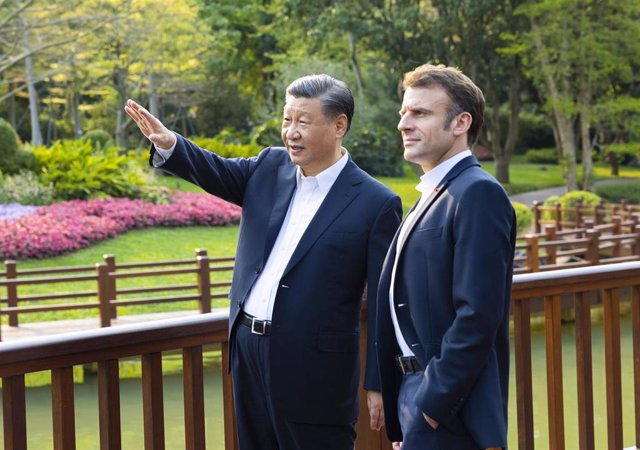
x: 39, y: 422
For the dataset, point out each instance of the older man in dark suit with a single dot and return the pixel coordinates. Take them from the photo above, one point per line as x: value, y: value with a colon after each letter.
x: 315, y: 228
x: 444, y: 294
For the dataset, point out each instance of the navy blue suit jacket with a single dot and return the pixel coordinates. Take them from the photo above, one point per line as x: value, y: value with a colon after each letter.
x: 315, y: 334
x: 453, y: 281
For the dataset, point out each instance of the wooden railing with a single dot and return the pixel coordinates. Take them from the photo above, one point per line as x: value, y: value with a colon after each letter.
x: 191, y: 335
x: 577, y: 247
x: 107, y: 293
x: 580, y: 283
x: 578, y: 215
x: 106, y: 346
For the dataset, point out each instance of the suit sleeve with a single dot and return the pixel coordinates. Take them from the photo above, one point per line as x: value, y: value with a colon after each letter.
x: 380, y: 238
x: 483, y: 240
x: 223, y: 177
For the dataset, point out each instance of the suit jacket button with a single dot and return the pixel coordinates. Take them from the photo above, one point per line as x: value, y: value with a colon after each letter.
x: 258, y: 269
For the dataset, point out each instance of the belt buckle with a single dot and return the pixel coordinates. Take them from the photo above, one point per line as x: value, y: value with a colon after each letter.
x: 254, y: 330
x: 402, y: 364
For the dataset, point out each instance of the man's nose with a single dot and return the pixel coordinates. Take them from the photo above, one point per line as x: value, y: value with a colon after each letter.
x: 292, y: 132
x: 404, y: 123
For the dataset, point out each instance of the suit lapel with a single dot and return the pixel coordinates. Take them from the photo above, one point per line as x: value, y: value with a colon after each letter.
x: 284, y: 188
x: 345, y: 189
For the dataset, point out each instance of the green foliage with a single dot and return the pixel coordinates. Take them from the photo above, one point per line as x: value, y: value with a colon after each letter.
x: 568, y: 201
x: 614, y: 193
x: 25, y: 188
x: 78, y: 171
x: 268, y: 133
x: 376, y: 150
x: 12, y: 158
x: 227, y: 150
x: 623, y: 149
x: 542, y: 156
x: 98, y: 138
x: 524, y: 217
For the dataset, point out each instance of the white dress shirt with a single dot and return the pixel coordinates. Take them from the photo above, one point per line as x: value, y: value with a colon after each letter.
x: 428, y: 182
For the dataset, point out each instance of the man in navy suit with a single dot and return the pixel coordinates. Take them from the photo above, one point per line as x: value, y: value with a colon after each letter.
x: 444, y: 293
x: 315, y: 228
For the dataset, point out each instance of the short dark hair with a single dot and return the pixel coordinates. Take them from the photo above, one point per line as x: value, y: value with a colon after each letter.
x: 335, y: 95
x: 464, y: 94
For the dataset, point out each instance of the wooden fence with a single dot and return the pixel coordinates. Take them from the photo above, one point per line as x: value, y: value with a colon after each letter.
x: 191, y: 335
x: 579, y: 215
x: 107, y: 294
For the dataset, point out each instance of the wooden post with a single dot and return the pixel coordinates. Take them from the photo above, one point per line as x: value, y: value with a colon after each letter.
x: 551, y: 235
x: 553, y: 344
x: 592, y: 253
x: 579, y: 214
x: 230, y: 429
x: 14, y: 413
x: 204, y: 283
x: 12, y: 291
x: 533, y: 253
x: 110, y: 261
x: 63, y: 410
x: 616, y: 221
x: 535, y: 207
x: 103, y: 294
x: 558, y: 214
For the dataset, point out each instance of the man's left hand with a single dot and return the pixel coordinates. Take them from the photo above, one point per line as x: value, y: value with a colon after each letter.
x: 376, y: 412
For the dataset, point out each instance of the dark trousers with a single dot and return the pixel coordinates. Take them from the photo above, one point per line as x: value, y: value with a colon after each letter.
x: 259, y: 425
x: 417, y: 433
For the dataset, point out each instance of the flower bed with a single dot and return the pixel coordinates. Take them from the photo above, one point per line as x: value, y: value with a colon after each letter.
x: 72, y: 225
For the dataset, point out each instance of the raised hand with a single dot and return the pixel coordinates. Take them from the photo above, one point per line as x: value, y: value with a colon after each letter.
x: 150, y: 126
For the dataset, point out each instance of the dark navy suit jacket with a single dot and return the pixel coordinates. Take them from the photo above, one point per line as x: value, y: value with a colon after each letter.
x: 314, y: 359
x: 453, y: 281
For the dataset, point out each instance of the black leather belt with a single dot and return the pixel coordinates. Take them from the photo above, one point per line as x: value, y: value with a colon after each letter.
x: 257, y: 326
x: 408, y: 364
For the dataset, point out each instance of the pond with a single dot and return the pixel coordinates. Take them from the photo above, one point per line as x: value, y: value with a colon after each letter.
x: 86, y: 395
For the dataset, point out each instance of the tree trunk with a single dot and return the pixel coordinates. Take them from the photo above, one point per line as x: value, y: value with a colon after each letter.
x: 154, y: 99
x: 567, y: 144
x: 354, y: 62
x: 36, y: 135
x: 120, y: 83
x: 587, y: 160
x: 74, y: 113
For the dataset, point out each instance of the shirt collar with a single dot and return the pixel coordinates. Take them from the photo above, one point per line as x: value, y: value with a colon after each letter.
x: 430, y: 180
x: 328, y: 176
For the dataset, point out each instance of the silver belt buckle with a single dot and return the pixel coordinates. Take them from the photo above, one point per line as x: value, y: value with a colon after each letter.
x: 253, y: 326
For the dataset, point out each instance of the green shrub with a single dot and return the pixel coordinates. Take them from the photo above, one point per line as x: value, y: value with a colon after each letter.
x: 99, y: 139
x: 524, y: 217
x: 569, y: 200
x: 542, y: 156
x: 268, y: 133
x: 78, y: 171
x: 25, y: 188
x: 376, y: 150
x: 617, y: 192
x: 13, y: 158
x: 227, y: 150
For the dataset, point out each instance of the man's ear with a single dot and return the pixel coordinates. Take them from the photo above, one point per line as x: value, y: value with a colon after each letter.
x: 342, y: 124
x: 462, y: 123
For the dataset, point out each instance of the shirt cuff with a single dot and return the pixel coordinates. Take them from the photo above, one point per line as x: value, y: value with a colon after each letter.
x: 162, y: 154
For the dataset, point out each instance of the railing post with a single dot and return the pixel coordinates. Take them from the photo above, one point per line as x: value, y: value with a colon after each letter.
x: 14, y: 412
x: 593, y: 247
x: 230, y: 430
x: 533, y: 253
x: 204, y: 281
x: 551, y: 235
x: 635, y: 247
x: 535, y: 207
x: 579, y: 214
x: 553, y: 344
x: 103, y: 294
x: 110, y: 261
x: 616, y: 221
x: 558, y: 214
x: 12, y: 291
